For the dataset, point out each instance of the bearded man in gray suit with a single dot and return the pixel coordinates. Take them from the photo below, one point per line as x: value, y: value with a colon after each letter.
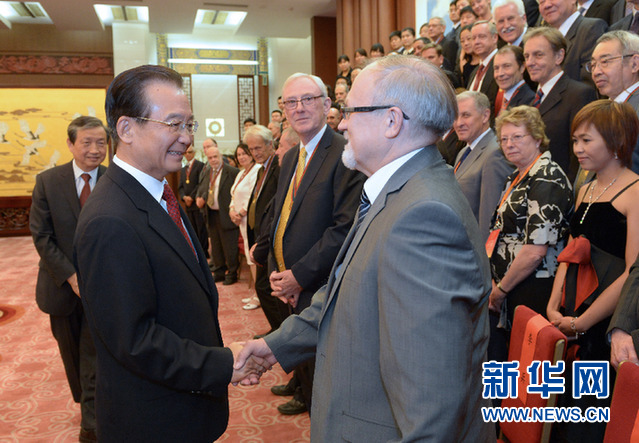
x: 401, y: 328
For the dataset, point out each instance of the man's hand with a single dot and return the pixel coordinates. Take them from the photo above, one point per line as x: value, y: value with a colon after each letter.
x: 73, y: 281
x: 251, y: 368
x: 200, y: 202
x: 285, y: 287
x: 188, y: 200
x: 622, y: 348
x: 253, y: 349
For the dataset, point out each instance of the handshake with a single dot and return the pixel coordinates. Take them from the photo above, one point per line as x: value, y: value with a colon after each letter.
x: 251, y: 359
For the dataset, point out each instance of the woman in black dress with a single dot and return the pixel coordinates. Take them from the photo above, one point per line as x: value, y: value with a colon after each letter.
x: 604, y: 238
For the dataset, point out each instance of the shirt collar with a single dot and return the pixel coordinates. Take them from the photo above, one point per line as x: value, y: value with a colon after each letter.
x: 376, y: 182
x: 565, y: 26
x: 312, y: 144
x: 77, y: 172
x: 474, y: 142
x: 487, y: 60
x: 626, y: 93
x: 151, y: 184
x: 519, y: 39
x: 547, y: 87
x: 509, y: 93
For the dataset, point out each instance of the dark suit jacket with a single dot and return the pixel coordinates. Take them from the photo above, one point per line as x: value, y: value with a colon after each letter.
x: 601, y: 9
x: 322, y: 213
x: 190, y: 188
x: 162, y: 373
x: 449, y: 147
x: 450, y: 48
x: 55, y: 208
x: 623, y: 24
x: 618, y: 11
x: 581, y: 38
x: 557, y: 111
x: 227, y: 177
x: 531, y: 7
x: 262, y: 205
x: 524, y: 96
x: 489, y: 85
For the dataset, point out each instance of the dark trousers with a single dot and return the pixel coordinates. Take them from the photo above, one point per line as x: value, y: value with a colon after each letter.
x: 274, y: 310
x: 223, y: 245
x: 78, y: 356
x: 305, y: 371
x: 196, y: 218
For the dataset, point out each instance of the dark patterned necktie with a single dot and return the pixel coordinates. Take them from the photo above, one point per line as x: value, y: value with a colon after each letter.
x: 86, y: 190
x: 174, y: 212
x: 538, y: 96
x: 364, y: 206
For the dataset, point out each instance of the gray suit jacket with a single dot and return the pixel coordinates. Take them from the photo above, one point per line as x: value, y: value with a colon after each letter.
x: 482, y: 176
x: 633, y: 101
x: 626, y: 316
x: 401, y: 328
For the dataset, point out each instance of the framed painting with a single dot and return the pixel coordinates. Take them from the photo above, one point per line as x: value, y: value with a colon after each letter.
x: 33, y: 131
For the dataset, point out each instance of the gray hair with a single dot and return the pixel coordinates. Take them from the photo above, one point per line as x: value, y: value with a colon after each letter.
x: 479, y: 99
x: 318, y: 81
x: 258, y: 131
x: 518, y: 3
x: 628, y: 40
x: 290, y: 136
x: 419, y: 88
x: 491, y: 26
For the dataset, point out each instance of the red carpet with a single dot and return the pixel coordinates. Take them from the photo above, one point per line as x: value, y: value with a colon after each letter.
x: 35, y: 402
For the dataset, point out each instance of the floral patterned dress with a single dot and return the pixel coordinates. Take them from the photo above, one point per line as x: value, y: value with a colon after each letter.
x: 537, y: 212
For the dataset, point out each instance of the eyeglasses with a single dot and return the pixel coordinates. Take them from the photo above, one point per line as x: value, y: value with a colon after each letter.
x: 603, y: 63
x: 305, y: 101
x: 516, y: 139
x: 174, y: 126
x: 347, y: 111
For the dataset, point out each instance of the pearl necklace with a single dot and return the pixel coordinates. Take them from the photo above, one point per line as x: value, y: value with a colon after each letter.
x: 590, y: 201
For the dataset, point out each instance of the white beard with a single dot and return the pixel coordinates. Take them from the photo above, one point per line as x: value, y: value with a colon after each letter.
x: 348, y: 157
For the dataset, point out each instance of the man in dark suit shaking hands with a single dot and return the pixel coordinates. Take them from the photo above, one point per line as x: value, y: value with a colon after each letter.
x: 150, y: 299
x: 58, y: 196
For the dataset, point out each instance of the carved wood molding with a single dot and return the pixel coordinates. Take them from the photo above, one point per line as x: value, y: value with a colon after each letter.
x: 55, y: 64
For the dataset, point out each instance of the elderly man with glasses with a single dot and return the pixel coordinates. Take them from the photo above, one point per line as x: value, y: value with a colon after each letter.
x: 401, y: 328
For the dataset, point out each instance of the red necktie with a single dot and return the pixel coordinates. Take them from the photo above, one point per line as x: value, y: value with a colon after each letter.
x: 499, y: 101
x: 480, y: 74
x: 174, y: 212
x: 86, y: 190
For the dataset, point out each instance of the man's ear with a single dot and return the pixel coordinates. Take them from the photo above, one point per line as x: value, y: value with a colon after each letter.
x: 125, y: 129
x: 393, y: 121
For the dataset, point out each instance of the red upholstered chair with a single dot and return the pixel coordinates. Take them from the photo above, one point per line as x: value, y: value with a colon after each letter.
x: 532, y: 338
x: 624, y: 410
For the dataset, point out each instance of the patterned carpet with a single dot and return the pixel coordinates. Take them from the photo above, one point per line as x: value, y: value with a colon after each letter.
x: 35, y: 401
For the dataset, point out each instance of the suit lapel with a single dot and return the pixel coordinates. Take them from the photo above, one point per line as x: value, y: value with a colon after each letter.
x: 314, y: 165
x: 554, y: 96
x: 160, y: 221
x: 427, y: 156
x: 475, y: 154
x: 69, y: 190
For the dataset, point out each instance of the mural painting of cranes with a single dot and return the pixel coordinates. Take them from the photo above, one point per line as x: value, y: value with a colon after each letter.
x: 33, y: 132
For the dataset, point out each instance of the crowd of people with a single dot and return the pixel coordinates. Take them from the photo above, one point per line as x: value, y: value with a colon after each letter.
x: 356, y: 245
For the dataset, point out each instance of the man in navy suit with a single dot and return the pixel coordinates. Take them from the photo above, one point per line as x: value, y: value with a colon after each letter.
x: 150, y: 299
x: 58, y: 196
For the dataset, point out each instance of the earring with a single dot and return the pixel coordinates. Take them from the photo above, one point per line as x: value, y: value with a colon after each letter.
x: 616, y: 157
